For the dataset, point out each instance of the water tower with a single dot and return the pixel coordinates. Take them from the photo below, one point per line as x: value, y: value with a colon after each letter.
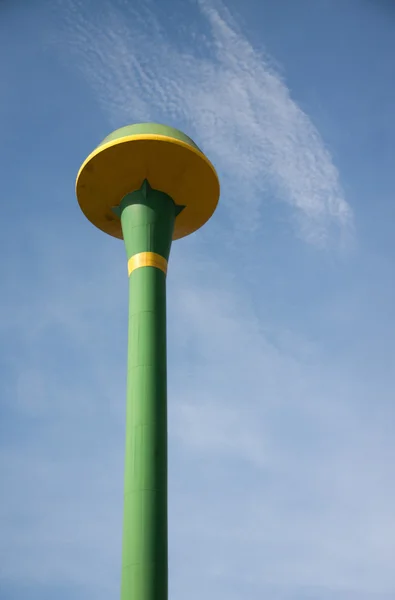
x: 147, y: 184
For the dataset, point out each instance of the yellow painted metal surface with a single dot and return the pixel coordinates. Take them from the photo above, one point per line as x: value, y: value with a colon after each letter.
x: 172, y: 166
x: 147, y: 259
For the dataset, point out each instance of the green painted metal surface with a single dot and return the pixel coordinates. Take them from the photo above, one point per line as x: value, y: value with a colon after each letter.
x: 149, y: 128
x: 147, y: 218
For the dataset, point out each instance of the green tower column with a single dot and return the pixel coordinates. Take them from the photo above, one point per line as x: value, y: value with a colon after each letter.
x: 148, y: 184
x: 147, y: 218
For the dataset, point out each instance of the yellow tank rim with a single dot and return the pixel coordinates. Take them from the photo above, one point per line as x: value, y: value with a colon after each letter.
x: 118, y: 167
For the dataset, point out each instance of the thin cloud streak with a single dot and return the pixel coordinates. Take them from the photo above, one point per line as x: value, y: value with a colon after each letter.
x: 230, y: 98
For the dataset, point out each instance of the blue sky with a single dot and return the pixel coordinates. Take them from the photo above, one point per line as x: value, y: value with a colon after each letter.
x: 280, y: 311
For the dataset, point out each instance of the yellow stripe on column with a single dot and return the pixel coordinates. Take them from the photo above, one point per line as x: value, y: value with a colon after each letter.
x: 147, y: 259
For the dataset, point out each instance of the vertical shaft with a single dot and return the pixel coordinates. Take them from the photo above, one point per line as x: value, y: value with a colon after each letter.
x: 147, y: 218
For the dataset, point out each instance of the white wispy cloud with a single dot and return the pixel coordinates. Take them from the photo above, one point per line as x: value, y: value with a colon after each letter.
x: 230, y: 98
